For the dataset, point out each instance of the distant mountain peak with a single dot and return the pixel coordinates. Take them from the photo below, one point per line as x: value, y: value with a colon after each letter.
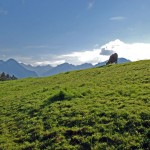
x: 65, y: 64
x: 21, y: 70
x: 12, y: 67
x: 11, y: 61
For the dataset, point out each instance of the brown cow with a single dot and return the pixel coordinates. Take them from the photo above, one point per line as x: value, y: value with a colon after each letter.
x: 113, y: 59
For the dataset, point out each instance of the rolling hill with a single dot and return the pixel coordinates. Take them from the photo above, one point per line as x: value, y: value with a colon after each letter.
x: 99, y: 108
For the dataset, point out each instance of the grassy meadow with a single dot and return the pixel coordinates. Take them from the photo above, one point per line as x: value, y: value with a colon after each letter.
x: 99, y: 108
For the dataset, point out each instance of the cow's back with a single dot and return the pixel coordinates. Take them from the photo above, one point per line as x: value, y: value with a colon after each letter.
x: 113, y: 58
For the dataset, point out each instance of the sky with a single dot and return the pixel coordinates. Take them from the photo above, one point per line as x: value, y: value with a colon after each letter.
x: 41, y: 32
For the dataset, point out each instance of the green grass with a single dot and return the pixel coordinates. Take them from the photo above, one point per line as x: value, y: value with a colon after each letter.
x: 99, y: 108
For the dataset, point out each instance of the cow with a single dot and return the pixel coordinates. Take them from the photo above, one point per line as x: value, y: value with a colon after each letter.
x: 113, y: 59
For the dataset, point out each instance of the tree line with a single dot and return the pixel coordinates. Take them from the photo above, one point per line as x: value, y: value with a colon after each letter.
x: 5, y: 77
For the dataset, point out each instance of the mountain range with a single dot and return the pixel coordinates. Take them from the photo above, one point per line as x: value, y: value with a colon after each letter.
x: 12, y: 67
x: 21, y: 70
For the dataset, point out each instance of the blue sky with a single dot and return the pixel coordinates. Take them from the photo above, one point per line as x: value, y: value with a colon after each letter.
x: 40, y: 30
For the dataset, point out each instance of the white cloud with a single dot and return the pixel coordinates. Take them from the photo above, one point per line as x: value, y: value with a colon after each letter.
x: 88, y: 56
x: 131, y: 51
x: 117, y: 18
x: 106, y: 52
x: 52, y: 63
x: 134, y: 51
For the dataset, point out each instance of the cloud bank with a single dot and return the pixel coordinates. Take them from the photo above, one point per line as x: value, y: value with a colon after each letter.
x: 131, y: 51
x: 106, y: 52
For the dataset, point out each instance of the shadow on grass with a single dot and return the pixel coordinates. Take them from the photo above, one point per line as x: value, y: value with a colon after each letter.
x: 58, y: 97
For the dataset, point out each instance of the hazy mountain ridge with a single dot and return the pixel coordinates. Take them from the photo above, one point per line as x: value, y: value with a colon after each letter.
x: 12, y: 67
x: 38, y: 69
x: 66, y: 67
x: 21, y: 70
x: 69, y: 67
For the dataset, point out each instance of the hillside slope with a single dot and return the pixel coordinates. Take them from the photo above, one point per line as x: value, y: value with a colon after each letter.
x: 99, y: 108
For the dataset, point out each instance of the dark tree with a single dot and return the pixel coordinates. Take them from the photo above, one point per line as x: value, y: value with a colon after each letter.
x: 4, y: 77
